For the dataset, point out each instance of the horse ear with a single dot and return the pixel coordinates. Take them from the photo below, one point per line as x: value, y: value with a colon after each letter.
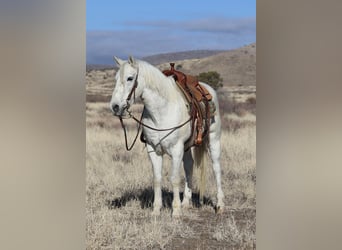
x: 118, y: 61
x: 131, y: 61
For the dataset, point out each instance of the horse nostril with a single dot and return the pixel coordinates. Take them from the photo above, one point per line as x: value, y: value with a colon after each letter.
x: 115, y: 108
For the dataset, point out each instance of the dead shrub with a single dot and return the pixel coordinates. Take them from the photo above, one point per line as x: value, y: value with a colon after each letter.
x: 233, y: 125
x: 97, y: 98
x: 240, y: 110
x: 251, y: 100
x: 250, y: 105
x: 230, y: 106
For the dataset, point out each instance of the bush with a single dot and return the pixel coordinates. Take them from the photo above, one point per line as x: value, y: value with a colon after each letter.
x: 212, y: 78
x: 251, y: 101
x: 229, y: 106
x: 233, y: 125
x: 97, y: 98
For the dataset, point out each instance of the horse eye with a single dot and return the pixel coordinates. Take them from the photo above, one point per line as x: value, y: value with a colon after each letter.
x: 130, y: 79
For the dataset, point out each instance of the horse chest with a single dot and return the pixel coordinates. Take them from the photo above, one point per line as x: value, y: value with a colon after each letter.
x: 160, y: 141
x: 166, y: 117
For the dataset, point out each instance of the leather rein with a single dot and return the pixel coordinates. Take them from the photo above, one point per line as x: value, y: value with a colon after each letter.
x: 139, y: 121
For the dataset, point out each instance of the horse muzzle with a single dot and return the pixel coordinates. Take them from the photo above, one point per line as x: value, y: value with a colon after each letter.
x: 117, y: 110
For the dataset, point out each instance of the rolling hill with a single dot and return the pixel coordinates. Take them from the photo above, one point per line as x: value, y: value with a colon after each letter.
x: 178, y: 56
x: 236, y: 67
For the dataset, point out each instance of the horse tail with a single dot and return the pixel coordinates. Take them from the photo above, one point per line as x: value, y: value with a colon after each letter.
x: 201, y: 163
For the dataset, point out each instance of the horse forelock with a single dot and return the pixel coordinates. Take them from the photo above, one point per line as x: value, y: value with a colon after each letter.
x: 122, y: 70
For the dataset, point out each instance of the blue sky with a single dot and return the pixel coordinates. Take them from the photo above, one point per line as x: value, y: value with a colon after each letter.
x: 141, y: 28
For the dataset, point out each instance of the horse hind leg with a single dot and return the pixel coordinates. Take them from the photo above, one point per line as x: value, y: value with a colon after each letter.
x: 215, y: 152
x: 177, y: 156
x: 188, y: 169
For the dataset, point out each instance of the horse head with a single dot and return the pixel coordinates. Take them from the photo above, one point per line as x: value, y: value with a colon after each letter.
x: 126, y: 86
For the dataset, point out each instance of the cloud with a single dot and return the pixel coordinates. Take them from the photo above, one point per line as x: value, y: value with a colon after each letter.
x: 222, y: 25
x: 102, y: 45
x: 153, y: 37
x: 232, y: 26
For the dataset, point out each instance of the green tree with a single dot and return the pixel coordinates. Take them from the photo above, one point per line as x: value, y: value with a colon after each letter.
x: 212, y: 78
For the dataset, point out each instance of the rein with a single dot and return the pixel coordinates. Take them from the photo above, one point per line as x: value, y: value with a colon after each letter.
x: 129, y: 148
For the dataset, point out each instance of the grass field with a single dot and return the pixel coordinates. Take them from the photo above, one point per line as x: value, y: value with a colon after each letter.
x: 119, y: 193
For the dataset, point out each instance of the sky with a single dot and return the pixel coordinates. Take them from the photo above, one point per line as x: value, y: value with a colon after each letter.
x: 143, y: 28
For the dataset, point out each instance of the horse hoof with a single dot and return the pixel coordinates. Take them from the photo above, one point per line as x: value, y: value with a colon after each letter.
x: 176, y: 213
x: 186, y: 205
x: 219, y: 209
x: 155, y: 212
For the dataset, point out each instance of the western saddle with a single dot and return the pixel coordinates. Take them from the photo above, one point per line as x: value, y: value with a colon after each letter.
x: 201, y: 106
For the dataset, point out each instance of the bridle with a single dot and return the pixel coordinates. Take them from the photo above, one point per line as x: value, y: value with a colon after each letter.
x: 132, y: 93
x: 128, y: 99
x: 135, y: 85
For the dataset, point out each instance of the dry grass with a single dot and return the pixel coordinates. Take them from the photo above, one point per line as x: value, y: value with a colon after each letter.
x: 119, y: 193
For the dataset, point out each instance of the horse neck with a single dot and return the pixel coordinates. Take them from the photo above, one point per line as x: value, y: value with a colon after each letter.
x: 159, y: 91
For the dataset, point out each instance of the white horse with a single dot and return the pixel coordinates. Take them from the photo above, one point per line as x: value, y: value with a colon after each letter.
x: 166, y: 107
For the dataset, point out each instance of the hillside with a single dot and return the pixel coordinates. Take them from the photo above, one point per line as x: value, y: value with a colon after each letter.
x: 178, y: 56
x: 163, y: 58
x: 90, y: 67
x: 236, y: 67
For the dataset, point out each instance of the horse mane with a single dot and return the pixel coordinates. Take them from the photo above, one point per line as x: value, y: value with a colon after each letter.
x: 155, y: 79
x: 150, y: 72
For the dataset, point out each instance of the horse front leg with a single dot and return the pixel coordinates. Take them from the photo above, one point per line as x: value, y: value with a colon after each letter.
x: 157, y: 164
x: 177, y: 155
